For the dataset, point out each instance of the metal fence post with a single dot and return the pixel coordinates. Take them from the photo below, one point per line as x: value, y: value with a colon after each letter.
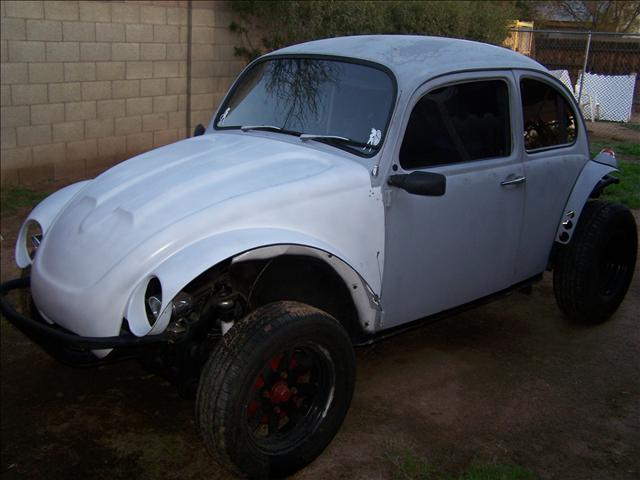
x: 584, y: 67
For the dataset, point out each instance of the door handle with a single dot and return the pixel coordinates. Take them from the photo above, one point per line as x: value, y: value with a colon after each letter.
x: 513, y: 180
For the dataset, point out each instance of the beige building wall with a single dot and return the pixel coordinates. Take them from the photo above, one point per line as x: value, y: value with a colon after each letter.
x: 86, y: 84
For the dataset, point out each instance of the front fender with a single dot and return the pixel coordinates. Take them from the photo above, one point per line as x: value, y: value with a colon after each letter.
x: 182, y: 267
x: 45, y: 213
x: 589, y: 177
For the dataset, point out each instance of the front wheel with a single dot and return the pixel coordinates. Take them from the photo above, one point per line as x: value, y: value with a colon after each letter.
x: 593, y: 272
x: 276, y: 389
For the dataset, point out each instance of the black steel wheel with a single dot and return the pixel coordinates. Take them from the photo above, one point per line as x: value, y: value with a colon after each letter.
x: 276, y: 389
x: 593, y: 272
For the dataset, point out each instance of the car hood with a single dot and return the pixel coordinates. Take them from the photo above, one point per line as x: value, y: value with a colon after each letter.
x: 241, y: 175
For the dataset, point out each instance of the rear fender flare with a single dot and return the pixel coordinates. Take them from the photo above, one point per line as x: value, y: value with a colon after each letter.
x: 589, y: 177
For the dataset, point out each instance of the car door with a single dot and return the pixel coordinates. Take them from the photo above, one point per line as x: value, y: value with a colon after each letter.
x: 444, y: 251
x: 555, y: 146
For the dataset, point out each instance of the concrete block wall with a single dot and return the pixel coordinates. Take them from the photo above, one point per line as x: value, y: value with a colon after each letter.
x: 87, y: 84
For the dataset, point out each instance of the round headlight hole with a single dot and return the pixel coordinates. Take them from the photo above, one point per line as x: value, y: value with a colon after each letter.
x: 153, y: 300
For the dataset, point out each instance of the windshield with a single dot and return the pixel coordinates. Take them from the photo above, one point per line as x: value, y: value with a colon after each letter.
x: 347, y: 105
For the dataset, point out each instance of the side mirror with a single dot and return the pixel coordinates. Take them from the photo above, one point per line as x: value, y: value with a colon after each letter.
x: 199, y: 130
x: 420, y: 183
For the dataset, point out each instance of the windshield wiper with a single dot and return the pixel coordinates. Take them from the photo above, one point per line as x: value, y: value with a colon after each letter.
x: 272, y: 128
x: 333, y: 139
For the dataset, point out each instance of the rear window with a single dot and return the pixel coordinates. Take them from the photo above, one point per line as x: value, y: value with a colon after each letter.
x: 549, y: 120
x: 458, y: 123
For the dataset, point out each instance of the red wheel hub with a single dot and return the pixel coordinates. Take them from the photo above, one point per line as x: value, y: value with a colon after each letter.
x: 280, y: 392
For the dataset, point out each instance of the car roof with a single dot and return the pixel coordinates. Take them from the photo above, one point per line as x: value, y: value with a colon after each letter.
x: 414, y: 58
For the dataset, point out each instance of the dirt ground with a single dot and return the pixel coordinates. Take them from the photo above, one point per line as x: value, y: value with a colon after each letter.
x: 510, y: 382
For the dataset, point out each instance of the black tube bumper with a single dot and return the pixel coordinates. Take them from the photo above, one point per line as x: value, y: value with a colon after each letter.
x: 45, y: 334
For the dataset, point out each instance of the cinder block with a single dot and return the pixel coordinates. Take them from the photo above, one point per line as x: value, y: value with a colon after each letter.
x: 139, y: 142
x: 96, y: 90
x: 177, y: 119
x: 110, y: 32
x: 128, y: 125
x: 176, y: 85
x: 14, y: 73
x: 125, y: 51
x: 44, y: 30
x: 139, y: 106
x: 14, y: 116
x: 26, y: 51
x: 202, y: 69
x: 139, y: 33
x: 80, y: 111
x: 126, y: 88
x: 5, y: 95
x: 152, y: 87
x: 63, y: 51
x: 168, y: 103
x: 64, y: 10
x: 69, y: 169
x: 95, y: 52
x: 165, y: 69
x: 201, y: 16
x: 47, y: 154
x: 7, y: 137
x: 110, y: 70
x: 153, y: 14
x: 182, y: 69
x: 183, y: 36
x: 182, y: 102
x: 177, y: 16
x: 82, y: 150
x: 68, y: 131
x: 29, y: 136
x: 202, y: 52
x: 153, y: 51
x: 202, y: 100
x: 46, y: 72
x: 176, y: 51
x: 24, y: 9
x: 203, y: 85
x: 99, y: 128
x: 79, y: 32
x: 13, y: 29
x: 111, y: 109
x: 154, y: 121
x: 47, y: 114
x: 74, y: 72
x: 112, y: 146
x: 4, y: 51
x: 64, y: 92
x: 202, y: 35
x: 16, y: 158
x: 166, y: 34
x: 139, y: 70
x: 125, y: 13
x: 165, y: 137
x: 95, y: 11
x: 28, y: 94
x: 200, y: 116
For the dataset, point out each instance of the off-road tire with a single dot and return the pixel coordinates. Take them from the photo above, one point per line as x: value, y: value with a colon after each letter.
x: 593, y: 272
x: 228, y: 381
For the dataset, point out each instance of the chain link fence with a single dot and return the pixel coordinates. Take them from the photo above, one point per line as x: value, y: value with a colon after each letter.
x: 602, y: 71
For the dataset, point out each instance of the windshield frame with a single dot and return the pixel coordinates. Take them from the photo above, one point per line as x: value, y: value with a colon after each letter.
x: 337, y: 58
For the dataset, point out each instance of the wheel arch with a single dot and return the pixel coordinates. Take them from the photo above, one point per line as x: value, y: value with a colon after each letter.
x: 276, y: 250
x: 587, y: 182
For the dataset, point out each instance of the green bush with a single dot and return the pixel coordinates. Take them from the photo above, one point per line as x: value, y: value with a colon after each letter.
x: 283, y: 23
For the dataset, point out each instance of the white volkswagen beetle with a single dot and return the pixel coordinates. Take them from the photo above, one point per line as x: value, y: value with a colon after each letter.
x: 345, y: 189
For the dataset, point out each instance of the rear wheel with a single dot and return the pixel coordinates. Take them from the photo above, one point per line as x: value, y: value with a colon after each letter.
x: 276, y: 389
x: 593, y: 272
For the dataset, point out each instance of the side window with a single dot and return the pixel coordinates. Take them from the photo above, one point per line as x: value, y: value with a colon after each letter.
x: 548, y: 117
x: 458, y: 123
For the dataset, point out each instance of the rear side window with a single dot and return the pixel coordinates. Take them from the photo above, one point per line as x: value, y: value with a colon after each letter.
x: 458, y: 123
x: 549, y: 120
